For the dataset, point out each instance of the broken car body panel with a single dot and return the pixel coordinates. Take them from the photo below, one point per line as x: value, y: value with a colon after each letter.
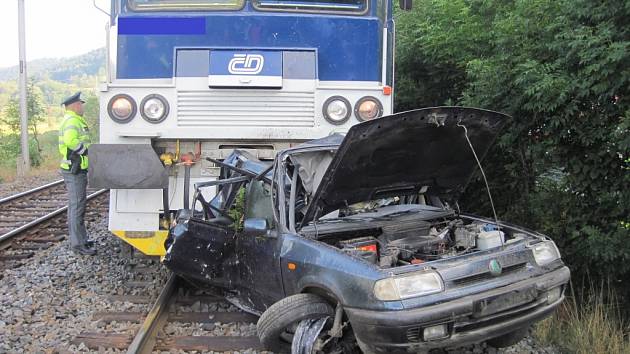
x: 334, y: 223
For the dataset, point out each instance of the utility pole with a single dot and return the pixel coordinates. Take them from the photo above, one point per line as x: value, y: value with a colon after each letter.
x: 24, y: 165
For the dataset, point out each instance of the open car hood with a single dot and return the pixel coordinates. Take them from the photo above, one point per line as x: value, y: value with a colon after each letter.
x: 423, y: 150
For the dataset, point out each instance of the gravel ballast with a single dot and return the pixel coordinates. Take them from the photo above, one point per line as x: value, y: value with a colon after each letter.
x: 51, y: 298
x: 25, y: 183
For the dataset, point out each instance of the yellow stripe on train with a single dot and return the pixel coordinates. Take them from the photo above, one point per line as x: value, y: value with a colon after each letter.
x: 150, y: 243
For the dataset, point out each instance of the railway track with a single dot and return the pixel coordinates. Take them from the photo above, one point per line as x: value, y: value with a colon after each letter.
x: 170, y: 309
x: 35, y: 220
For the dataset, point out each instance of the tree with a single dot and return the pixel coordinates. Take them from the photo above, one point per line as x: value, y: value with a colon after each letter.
x: 562, y: 70
x: 35, y: 109
x: 91, y: 115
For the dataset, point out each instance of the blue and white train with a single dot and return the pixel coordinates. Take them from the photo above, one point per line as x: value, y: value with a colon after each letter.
x: 190, y: 79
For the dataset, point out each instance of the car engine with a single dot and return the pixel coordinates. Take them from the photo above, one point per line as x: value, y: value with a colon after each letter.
x: 419, y: 241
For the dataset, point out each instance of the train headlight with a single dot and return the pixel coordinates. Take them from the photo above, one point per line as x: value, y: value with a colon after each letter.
x: 121, y: 108
x: 337, y: 110
x: 154, y: 108
x: 368, y: 108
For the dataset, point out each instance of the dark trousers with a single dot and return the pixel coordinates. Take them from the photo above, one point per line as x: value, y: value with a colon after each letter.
x: 76, y: 186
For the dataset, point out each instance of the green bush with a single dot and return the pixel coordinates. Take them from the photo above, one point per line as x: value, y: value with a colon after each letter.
x: 34, y: 154
x: 9, y: 147
x: 562, y: 70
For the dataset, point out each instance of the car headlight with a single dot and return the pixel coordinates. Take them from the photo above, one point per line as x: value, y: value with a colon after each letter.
x: 368, y: 108
x: 121, y: 108
x: 336, y: 110
x: 545, y: 252
x: 408, y: 285
x: 154, y: 108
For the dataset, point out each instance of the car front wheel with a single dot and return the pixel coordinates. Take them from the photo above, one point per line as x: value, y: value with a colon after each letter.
x: 278, y: 325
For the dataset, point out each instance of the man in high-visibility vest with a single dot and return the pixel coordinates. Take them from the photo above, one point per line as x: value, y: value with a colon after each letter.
x: 74, y: 140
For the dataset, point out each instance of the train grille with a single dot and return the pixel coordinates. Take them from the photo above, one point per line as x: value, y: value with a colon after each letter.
x: 254, y: 108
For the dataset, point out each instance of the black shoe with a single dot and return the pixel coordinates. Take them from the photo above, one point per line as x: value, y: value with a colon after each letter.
x: 90, y: 243
x: 84, y: 250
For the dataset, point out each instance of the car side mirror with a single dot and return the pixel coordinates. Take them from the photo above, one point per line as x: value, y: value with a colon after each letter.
x: 405, y: 4
x: 255, y: 226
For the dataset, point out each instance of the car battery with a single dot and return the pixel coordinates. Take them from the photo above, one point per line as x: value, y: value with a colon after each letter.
x: 362, y: 247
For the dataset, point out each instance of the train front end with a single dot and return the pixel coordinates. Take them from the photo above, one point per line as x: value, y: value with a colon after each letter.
x: 192, y: 80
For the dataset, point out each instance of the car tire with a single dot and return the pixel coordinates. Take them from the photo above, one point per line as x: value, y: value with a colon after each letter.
x: 509, y: 339
x: 285, y: 313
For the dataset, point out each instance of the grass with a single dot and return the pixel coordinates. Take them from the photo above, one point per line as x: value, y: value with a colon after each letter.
x: 589, y: 322
x: 48, y: 162
x: 8, y: 169
x: 8, y: 174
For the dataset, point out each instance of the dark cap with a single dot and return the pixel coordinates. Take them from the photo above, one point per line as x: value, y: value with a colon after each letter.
x: 72, y: 99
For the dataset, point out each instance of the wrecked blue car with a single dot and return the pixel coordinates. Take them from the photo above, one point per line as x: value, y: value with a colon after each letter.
x: 356, y: 243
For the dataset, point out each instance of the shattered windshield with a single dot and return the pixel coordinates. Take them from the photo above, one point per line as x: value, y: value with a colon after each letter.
x: 385, y: 208
x: 312, y: 165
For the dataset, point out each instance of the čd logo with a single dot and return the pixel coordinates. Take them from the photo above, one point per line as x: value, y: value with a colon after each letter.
x: 246, y: 64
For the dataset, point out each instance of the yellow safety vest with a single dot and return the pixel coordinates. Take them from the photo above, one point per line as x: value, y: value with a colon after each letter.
x: 73, y: 136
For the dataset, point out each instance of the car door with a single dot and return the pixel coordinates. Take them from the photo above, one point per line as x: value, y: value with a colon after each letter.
x: 258, y: 250
x: 202, y: 253
x: 202, y: 250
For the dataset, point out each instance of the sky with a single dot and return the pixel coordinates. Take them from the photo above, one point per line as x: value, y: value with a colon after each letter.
x: 50, y: 25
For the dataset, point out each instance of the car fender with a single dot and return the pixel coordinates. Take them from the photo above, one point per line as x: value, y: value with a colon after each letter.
x: 307, y: 263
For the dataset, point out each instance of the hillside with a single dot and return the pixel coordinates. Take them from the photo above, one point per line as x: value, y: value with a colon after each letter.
x: 51, y: 80
x: 56, y: 78
x: 60, y: 69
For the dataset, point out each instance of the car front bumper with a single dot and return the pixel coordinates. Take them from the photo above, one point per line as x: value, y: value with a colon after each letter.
x: 470, y: 319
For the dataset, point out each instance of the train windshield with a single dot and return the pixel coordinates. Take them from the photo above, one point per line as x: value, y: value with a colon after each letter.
x: 186, y: 4
x: 312, y: 5
x: 357, y: 6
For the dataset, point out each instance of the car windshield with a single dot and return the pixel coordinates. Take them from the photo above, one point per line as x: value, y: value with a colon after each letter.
x: 186, y: 4
x: 312, y: 164
x: 387, y: 208
x: 312, y: 5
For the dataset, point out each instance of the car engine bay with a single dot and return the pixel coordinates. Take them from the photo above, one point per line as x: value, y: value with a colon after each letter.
x: 410, y: 234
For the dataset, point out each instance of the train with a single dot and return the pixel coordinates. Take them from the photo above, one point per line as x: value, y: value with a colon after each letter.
x: 190, y: 81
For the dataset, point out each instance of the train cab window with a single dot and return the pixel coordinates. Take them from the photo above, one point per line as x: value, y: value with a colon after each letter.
x: 352, y: 6
x: 186, y: 5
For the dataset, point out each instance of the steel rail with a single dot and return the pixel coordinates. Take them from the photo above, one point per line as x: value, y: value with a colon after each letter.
x: 144, y: 341
x: 39, y: 220
x: 30, y: 191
